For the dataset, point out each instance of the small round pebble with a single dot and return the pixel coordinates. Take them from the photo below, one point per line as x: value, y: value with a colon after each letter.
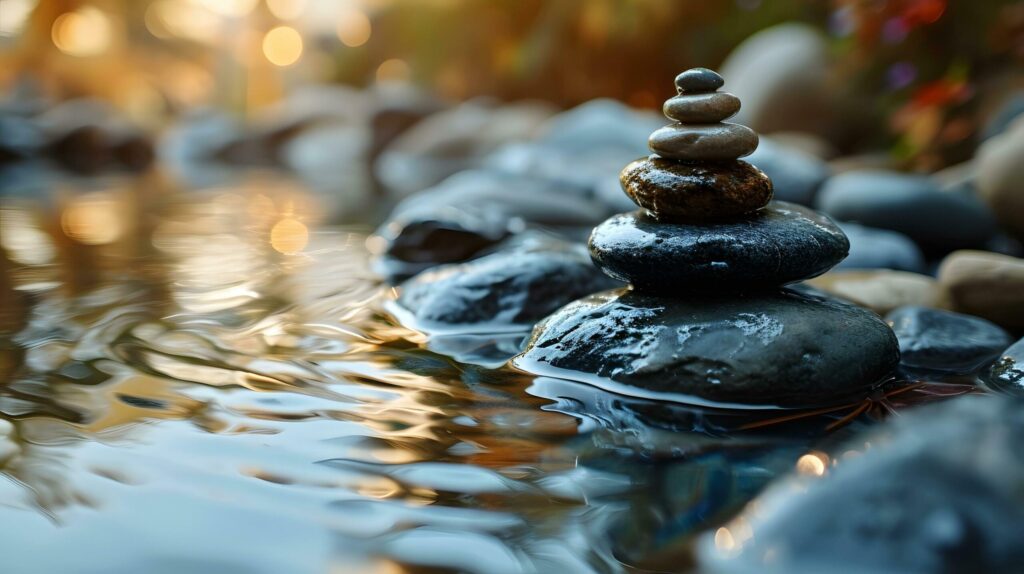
x: 697, y: 80
x: 671, y: 190
x: 709, y: 142
x: 942, y: 341
x: 701, y: 108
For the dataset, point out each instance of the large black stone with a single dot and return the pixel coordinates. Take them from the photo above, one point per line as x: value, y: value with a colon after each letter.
x: 943, y: 341
x: 782, y: 348
x: 1007, y: 373
x: 507, y: 289
x: 780, y: 244
x: 939, y: 490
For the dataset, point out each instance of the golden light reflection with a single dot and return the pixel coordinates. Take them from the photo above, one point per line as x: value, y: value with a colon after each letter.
x: 182, y: 19
x: 286, y: 9
x: 14, y: 15
x: 282, y: 46
x: 724, y: 540
x: 812, y: 464
x: 24, y: 242
x: 289, y: 236
x: 354, y: 28
x: 84, y: 32
x: 229, y: 8
x: 393, y: 70
x: 92, y: 219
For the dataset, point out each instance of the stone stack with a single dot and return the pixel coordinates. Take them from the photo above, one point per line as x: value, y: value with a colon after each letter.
x: 708, y: 318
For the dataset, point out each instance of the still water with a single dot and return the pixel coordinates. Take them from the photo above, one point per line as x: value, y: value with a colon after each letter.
x: 206, y: 381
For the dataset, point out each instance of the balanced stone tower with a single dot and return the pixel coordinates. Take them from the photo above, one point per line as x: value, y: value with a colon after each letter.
x: 708, y: 319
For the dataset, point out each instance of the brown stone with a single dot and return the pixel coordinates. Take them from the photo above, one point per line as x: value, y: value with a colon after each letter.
x: 985, y: 284
x: 673, y: 190
x: 883, y: 290
x: 701, y: 108
x: 707, y: 142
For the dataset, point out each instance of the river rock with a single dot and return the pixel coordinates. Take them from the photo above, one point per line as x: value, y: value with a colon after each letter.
x: 779, y: 348
x: 697, y: 80
x: 943, y: 341
x: 508, y: 289
x: 782, y: 76
x: 699, y: 142
x: 939, y: 490
x: 701, y: 108
x: 779, y: 244
x: 985, y: 284
x: 1007, y: 373
x: 911, y: 204
x: 882, y: 290
x: 796, y: 175
x: 675, y: 190
x: 1000, y: 179
x: 872, y: 248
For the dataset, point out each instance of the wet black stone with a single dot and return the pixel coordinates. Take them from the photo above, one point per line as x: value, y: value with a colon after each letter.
x: 779, y: 244
x: 696, y: 80
x: 911, y: 204
x: 943, y: 341
x: 938, y: 491
x: 508, y: 288
x: 782, y: 348
x: 1007, y: 373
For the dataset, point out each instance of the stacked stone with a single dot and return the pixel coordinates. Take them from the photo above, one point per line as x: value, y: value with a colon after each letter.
x: 708, y: 257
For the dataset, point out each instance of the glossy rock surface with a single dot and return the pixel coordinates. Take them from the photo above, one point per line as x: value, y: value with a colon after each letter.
x: 699, y: 80
x: 694, y: 142
x: 672, y: 189
x: 935, y: 340
x: 782, y: 348
x: 779, y: 244
x: 1007, y: 373
x: 701, y: 108
x: 513, y: 288
x: 937, y: 491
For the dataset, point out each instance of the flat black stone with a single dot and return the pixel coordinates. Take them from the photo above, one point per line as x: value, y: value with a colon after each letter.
x: 1007, y: 373
x: 943, y: 341
x: 784, y: 348
x: 782, y: 243
x: 698, y: 80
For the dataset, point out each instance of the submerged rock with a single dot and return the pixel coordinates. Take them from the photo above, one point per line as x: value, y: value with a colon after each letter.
x: 780, y: 244
x: 1007, y: 373
x: 780, y: 348
x: 986, y: 284
x: 910, y: 204
x: 507, y: 289
x: 938, y: 491
x: 934, y: 340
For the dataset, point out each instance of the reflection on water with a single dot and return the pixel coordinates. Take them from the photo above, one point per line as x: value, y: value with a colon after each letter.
x: 203, y: 381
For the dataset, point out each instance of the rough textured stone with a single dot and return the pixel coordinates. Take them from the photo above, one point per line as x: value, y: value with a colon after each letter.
x: 674, y: 190
x: 701, y: 108
x: 779, y: 244
x: 513, y: 288
x: 986, y: 284
x: 939, y: 490
x: 910, y: 204
x: 872, y: 248
x: 780, y: 348
x: 699, y: 80
x: 882, y: 290
x: 934, y: 340
x: 795, y: 174
x: 1007, y: 373
x: 694, y: 142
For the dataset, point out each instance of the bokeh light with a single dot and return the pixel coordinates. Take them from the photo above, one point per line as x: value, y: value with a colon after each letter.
x: 286, y: 9
x: 289, y: 236
x: 354, y: 28
x: 393, y: 70
x: 82, y: 33
x: 93, y: 219
x: 282, y: 46
x: 14, y: 15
